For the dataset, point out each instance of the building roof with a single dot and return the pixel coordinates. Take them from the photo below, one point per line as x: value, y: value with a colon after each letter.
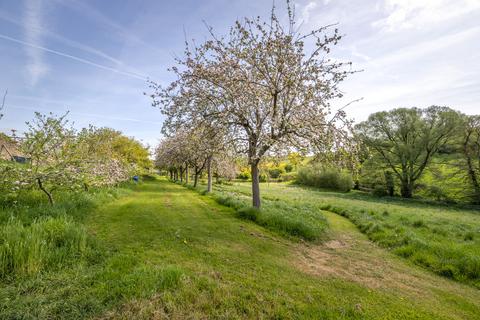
x: 9, y: 149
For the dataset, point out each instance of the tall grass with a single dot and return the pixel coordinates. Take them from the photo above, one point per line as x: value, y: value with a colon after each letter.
x: 37, y: 237
x: 299, y: 221
x: 321, y: 177
x: 31, y: 205
x: 45, y: 244
x: 432, y: 247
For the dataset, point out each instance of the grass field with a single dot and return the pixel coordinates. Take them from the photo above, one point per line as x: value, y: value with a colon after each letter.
x: 440, y: 238
x: 163, y: 251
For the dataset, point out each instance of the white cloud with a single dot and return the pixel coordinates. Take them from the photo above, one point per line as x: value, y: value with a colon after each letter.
x: 307, y: 10
x: 418, y: 50
x: 417, y: 14
x: 32, y: 22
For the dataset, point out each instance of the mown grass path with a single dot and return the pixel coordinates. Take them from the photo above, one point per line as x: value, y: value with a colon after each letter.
x: 236, y: 269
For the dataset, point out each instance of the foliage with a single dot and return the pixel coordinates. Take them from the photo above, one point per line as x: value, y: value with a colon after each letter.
x: 200, y: 147
x: 244, y: 174
x: 294, y: 159
x: 470, y: 149
x: 324, y: 177
x: 379, y: 191
x: 288, y: 168
x: 275, y: 172
x: 108, y: 157
x: 51, y: 147
x: 60, y: 158
x: 407, y: 139
x: 288, y: 176
x: 225, y: 167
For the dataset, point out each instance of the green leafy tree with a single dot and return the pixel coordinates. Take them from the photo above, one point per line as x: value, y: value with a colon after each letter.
x: 295, y: 158
x: 108, y: 157
x: 51, y: 146
x: 470, y: 148
x: 406, y: 139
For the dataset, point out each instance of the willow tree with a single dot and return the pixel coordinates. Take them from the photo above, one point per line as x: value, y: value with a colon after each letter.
x: 262, y: 85
x: 407, y: 139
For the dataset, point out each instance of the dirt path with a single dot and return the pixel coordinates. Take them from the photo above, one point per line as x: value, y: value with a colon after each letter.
x: 349, y: 255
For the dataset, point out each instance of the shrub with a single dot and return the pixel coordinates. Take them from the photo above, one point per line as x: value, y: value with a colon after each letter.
x: 436, y: 193
x: 288, y: 168
x: 244, y: 174
x: 275, y: 173
x: 379, y: 191
x: 288, y: 176
x: 321, y: 177
x: 45, y: 244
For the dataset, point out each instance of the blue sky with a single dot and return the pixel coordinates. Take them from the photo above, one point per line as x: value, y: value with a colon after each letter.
x: 93, y: 57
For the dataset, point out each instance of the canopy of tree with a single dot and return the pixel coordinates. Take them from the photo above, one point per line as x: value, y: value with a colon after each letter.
x: 262, y: 87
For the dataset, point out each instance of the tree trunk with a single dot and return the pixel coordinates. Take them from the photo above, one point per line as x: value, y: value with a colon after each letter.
x: 407, y: 189
x: 255, y: 185
x: 195, y: 181
x: 186, y: 174
x: 473, y: 179
x: 209, y: 173
x: 181, y: 174
x: 390, y: 183
x: 171, y: 174
x: 49, y: 195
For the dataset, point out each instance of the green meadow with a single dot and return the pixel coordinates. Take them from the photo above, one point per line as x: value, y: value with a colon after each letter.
x: 158, y: 250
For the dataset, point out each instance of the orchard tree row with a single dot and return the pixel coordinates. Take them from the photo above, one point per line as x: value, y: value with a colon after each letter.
x: 258, y: 91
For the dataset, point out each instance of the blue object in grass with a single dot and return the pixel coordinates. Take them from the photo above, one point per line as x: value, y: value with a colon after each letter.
x: 135, y: 178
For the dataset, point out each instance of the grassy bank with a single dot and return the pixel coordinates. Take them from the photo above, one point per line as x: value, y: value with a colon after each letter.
x: 442, y: 239
x: 306, y: 222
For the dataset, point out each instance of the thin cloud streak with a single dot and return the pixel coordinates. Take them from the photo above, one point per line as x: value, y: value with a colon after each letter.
x: 33, y: 19
x: 87, y: 10
x: 71, y: 43
x: 78, y: 59
x: 94, y: 115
